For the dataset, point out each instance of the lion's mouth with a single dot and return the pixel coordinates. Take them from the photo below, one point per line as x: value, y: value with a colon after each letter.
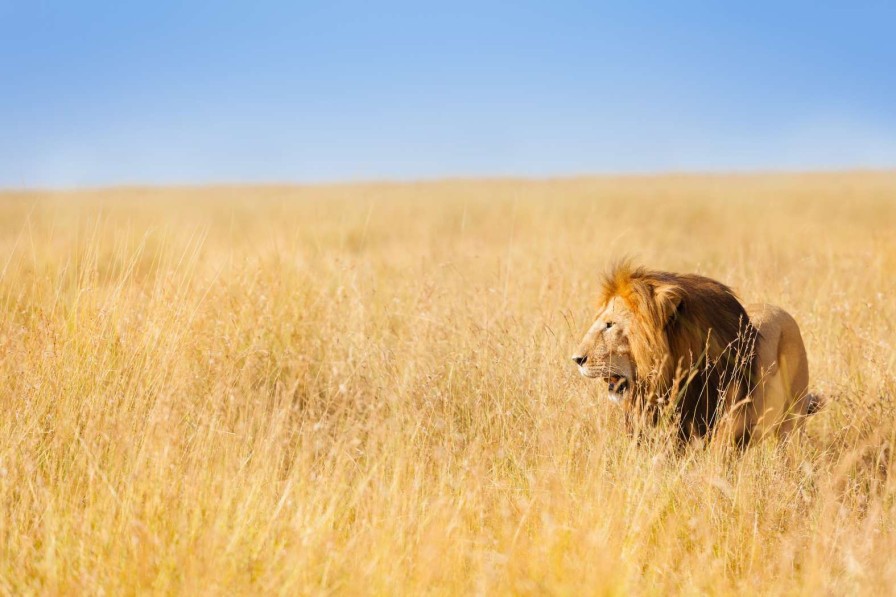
x: 617, y: 386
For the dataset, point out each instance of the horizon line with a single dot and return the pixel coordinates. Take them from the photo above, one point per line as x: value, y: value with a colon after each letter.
x: 458, y: 178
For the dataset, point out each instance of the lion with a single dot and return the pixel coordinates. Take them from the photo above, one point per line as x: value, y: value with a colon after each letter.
x: 682, y: 340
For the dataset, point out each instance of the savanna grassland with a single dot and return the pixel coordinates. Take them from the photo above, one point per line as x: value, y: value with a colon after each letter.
x: 366, y: 389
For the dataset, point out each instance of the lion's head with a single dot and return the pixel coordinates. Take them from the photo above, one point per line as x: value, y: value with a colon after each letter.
x: 660, y: 337
x: 606, y: 351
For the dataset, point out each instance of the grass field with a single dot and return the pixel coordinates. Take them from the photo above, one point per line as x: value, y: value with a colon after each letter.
x: 367, y: 390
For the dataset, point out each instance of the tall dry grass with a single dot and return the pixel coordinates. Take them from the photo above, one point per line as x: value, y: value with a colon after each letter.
x: 366, y: 389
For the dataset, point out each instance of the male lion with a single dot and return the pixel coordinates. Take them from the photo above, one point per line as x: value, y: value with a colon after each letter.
x: 686, y: 341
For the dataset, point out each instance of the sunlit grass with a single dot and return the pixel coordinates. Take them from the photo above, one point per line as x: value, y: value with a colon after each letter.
x: 366, y: 389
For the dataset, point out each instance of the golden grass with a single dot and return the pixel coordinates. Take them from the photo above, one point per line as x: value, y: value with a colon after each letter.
x: 366, y: 389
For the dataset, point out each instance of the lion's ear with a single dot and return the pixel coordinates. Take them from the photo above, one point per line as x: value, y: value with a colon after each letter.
x: 668, y: 298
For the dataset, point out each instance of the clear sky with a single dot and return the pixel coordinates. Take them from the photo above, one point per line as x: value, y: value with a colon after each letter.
x: 100, y: 93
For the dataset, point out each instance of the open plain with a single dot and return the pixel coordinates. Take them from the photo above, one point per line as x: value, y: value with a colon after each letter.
x: 367, y: 389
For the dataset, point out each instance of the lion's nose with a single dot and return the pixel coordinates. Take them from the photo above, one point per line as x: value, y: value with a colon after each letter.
x: 579, y: 360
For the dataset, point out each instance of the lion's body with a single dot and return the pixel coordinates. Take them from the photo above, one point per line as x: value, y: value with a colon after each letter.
x: 780, y: 399
x: 686, y: 340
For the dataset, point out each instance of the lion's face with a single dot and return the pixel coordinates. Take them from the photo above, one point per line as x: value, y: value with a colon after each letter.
x: 605, y: 351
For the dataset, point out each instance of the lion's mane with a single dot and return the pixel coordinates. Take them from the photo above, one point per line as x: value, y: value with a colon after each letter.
x: 692, y: 347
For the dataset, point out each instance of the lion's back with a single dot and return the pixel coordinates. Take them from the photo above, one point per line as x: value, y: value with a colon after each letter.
x: 782, y: 363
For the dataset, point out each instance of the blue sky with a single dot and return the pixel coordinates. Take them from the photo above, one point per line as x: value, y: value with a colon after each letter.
x: 103, y: 93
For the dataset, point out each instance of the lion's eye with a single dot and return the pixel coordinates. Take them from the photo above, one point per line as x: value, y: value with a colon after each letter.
x: 609, y: 324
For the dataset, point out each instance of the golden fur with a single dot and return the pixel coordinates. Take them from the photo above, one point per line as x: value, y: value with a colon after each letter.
x: 691, y: 344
